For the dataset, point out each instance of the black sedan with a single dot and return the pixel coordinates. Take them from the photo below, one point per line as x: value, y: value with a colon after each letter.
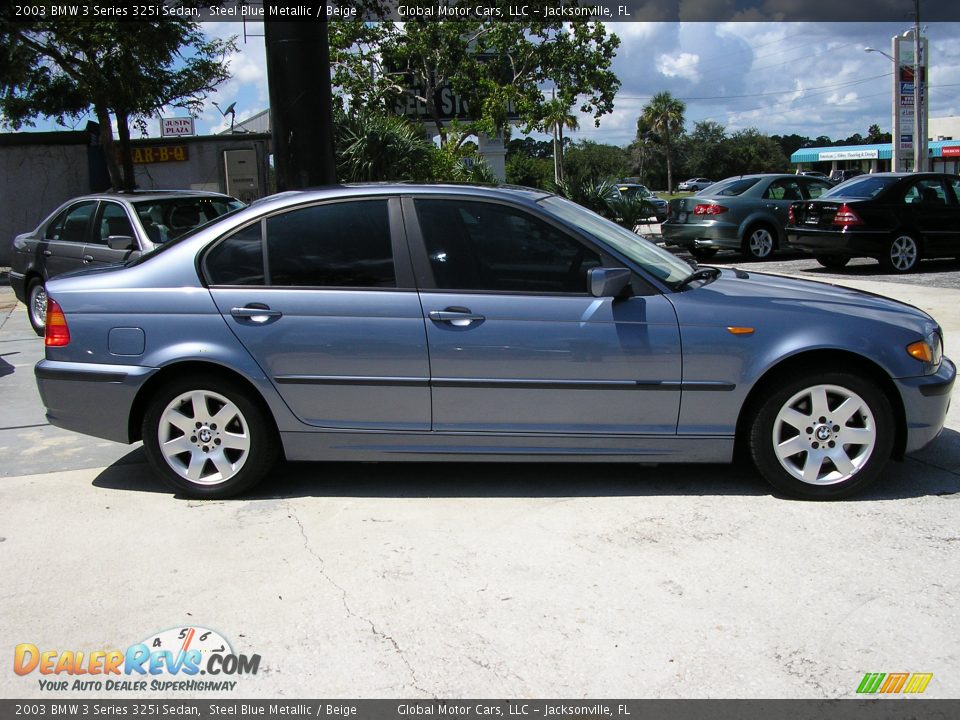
x: 897, y: 218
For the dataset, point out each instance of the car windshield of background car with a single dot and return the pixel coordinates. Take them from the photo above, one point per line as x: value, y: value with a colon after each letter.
x: 730, y: 188
x: 861, y: 187
x: 659, y: 263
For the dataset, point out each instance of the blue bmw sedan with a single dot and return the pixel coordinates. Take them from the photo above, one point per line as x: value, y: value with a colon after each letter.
x: 485, y: 324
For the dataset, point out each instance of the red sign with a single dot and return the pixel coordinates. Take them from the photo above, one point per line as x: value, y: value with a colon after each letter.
x: 950, y: 151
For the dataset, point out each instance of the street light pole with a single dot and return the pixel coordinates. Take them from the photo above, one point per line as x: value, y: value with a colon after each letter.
x: 894, y: 108
x: 919, y: 143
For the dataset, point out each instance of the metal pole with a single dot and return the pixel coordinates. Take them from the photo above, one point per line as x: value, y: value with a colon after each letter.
x: 919, y: 161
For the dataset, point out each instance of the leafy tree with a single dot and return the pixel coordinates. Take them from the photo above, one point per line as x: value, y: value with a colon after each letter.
x: 594, y: 194
x: 127, y: 70
x: 532, y: 148
x: 491, y: 66
x: 664, y: 116
x: 380, y: 147
x: 755, y: 152
x: 706, y: 150
x: 592, y: 161
x: 529, y: 171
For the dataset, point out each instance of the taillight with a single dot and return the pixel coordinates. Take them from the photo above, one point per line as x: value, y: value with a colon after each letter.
x: 709, y: 209
x: 57, y: 332
x: 846, y: 217
x: 791, y: 216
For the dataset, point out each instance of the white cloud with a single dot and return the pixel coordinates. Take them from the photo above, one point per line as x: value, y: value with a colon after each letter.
x: 683, y: 66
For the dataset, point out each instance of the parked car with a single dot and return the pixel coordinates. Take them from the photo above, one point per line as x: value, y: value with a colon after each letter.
x: 814, y: 174
x: 839, y: 176
x: 453, y: 322
x: 746, y: 213
x: 695, y: 184
x: 897, y: 218
x: 97, y: 230
x: 624, y: 190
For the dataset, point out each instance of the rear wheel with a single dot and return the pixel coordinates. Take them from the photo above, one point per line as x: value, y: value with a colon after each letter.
x: 759, y: 243
x: 37, y: 305
x: 901, y: 255
x: 206, y: 439
x: 822, y: 436
x: 833, y: 262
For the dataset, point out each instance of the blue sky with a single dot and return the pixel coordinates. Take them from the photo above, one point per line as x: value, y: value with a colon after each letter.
x: 807, y: 78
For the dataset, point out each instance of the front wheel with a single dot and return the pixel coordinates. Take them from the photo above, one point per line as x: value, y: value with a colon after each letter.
x: 37, y: 305
x: 207, y: 439
x: 822, y: 436
x: 901, y: 255
x: 759, y: 243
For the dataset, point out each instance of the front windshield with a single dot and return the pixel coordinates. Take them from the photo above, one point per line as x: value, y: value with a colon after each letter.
x: 656, y: 261
x: 861, y: 187
x: 628, y: 191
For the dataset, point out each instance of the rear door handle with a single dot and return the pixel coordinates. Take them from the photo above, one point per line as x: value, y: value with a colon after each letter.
x: 255, y: 312
x: 456, y: 316
x: 87, y: 259
x: 47, y: 253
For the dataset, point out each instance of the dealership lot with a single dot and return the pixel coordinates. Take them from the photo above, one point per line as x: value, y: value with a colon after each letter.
x: 457, y: 580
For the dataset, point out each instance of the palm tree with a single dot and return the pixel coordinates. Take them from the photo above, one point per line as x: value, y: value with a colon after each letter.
x: 663, y: 115
x: 557, y: 117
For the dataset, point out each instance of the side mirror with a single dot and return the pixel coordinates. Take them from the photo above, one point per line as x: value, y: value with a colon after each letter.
x: 121, y: 242
x: 608, y: 282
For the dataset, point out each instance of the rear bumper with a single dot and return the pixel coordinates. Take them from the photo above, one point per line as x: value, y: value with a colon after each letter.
x: 691, y: 235
x: 90, y: 398
x: 824, y: 242
x: 926, y: 400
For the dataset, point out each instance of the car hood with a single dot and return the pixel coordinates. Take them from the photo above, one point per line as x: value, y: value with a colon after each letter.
x: 768, y: 294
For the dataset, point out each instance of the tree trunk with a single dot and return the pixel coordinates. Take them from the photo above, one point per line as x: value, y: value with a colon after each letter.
x: 109, y: 147
x: 666, y: 137
x: 560, y: 149
x: 129, y: 182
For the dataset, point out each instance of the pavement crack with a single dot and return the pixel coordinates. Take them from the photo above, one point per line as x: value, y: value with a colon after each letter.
x: 350, y: 611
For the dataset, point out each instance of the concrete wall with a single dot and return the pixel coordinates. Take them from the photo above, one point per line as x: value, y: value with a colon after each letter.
x: 38, y: 171
x: 34, y: 179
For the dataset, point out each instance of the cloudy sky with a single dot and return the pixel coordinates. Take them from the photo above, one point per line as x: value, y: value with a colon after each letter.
x: 807, y: 78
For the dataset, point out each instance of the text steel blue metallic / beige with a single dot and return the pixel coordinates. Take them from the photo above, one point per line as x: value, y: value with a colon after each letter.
x: 437, y: 323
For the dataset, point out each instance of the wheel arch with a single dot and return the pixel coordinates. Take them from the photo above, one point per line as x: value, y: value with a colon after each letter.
x: 758, y: 219
x: 842, y: 360
x: 195, y: 367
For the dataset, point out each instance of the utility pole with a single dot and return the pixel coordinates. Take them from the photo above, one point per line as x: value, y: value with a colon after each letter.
x: 919, y: 143
x: 301, y: 112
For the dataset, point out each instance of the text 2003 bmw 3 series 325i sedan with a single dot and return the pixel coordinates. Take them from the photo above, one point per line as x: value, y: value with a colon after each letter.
x: 439, y: 323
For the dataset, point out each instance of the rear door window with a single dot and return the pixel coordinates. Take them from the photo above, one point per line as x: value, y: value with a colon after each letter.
x: 73, y: 224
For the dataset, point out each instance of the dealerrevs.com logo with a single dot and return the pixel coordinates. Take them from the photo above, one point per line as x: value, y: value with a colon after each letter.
x: 893, y: 683
x: 188, y: 659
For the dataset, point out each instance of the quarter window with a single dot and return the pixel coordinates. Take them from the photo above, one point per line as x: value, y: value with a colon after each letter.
x: 485, y: 246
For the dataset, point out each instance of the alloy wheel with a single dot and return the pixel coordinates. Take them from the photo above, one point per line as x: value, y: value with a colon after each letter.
x: 824, y: 434
x: 903, y: 253
x: 760, y: 243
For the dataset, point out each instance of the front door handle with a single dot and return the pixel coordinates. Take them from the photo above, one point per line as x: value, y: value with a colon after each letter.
x: 47, y: 253
x: 87, y: 259
x: 255, y: 312
x: 456, y: 316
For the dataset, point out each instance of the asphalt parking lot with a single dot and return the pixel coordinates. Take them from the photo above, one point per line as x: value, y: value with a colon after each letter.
x: 361, y: 580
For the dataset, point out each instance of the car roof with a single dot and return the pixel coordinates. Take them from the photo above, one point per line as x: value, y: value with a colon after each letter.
x: 137, y: 195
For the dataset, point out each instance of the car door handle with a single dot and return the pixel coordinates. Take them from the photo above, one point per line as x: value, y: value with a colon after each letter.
x: 459, y: 317
x: 87, y: 259
x: 47, y: 253
x: 255, y: 312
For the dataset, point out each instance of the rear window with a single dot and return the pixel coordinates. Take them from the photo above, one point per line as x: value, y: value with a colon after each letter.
x: 861, y: 187
x: 166, y: 219
x: 730, y: 188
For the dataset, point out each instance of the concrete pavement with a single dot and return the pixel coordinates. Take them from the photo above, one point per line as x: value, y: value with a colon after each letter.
x: 458, y: 580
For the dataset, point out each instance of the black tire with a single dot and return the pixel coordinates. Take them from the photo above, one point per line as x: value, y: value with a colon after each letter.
x: 243, y: 421
x: 833, y: 262
x: 901, y: 254
x: 703, y: 253
x: 774, y: 434
x: 37, y: 305
x: 759, y: 242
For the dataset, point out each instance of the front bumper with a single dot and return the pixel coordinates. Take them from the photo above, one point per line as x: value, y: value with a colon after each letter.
x: 91, y: 398
x: 18, y: 281
x: 926, y: 400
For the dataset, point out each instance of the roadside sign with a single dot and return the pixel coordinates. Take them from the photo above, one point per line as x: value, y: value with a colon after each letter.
x: 176, y: 127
